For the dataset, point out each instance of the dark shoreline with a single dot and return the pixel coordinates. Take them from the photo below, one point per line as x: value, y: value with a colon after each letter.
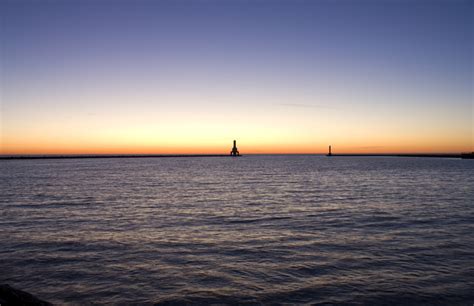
x: 13, y: 296
x: 108, y: 156
x: 400, y: 155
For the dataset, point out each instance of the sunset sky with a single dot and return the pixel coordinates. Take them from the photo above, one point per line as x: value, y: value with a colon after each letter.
x: 278, y: 76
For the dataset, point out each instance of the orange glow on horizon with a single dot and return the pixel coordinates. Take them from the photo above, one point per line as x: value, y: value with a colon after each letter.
x: 225, y: 149
x: 281, y: 131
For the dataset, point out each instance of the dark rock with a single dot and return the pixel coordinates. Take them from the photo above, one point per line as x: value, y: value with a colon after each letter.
x: 10, y: 296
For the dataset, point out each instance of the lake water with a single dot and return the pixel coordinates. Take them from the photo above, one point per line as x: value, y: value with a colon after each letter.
x: 255, y: 229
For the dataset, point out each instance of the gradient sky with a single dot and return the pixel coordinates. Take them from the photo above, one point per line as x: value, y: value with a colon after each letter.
x: 278, y: 76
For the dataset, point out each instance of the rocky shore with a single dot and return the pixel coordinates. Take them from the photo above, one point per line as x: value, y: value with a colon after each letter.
x: 10, y: 296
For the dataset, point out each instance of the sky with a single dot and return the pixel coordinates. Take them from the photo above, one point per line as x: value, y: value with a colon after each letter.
x: 104, y: 76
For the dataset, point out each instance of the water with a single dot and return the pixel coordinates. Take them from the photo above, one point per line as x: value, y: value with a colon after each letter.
x: 256, y: 229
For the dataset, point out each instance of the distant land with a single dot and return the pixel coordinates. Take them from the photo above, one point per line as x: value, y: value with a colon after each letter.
x: 462, y: 155
x: 71, y: 156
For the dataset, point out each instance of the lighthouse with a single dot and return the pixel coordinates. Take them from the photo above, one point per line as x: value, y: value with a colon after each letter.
x: 330, y: 153
x: 234, y: 151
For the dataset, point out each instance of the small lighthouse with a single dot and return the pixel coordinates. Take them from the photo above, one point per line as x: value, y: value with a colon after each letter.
x: 330, y: 153
x: 234, y: 151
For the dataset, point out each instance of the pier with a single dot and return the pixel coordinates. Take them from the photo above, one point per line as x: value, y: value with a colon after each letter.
x: 109, y: 156
x: 233, y: 152
x: 440, y: 155
x: 402, y: 155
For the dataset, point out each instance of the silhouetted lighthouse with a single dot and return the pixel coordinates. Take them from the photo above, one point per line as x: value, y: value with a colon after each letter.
x: 330, y: 153
x: 234, y: 151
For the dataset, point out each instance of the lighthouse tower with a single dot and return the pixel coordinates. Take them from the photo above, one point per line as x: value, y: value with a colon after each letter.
x: 234, y: 151
x: 330, y: 153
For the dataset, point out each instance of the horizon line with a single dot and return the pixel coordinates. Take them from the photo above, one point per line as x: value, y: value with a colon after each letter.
x: 221, y: 154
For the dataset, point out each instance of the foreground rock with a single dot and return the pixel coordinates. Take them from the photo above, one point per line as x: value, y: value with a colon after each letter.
x: 10, y: 296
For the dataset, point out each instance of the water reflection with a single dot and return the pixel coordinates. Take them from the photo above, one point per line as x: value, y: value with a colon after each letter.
x: 298, y: 229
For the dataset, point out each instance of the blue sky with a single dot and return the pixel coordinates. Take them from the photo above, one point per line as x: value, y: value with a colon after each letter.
x: 102, y: 74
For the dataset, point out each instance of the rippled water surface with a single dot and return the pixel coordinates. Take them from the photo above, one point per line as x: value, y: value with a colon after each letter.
x: 255, y: 229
